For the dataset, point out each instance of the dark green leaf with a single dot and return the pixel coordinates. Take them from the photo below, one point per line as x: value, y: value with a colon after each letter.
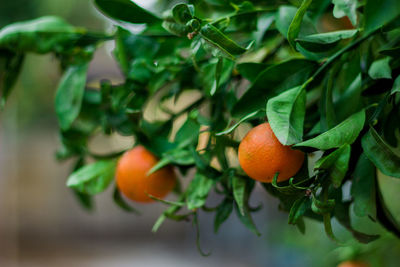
x: 381, y: 154
x: 336, y: 163
x: 247, y: 220
x: 396, y: 86
x: 126, y: 10
x: 270, y: 83
x: 216, y: 38
x: 300, y: 206
x: 363, y: 189
x: 9, y: 76
x: 378, y: 13
x: 119, y: 200
x: 182, y: 13
x: 294, y: 28
x: 188, y: 133
x: 222, y: 214
x: 286, y: 113
x: 175, y: 156
x: 42, y: 35
x: 69, y: 95
x: 251, y: 70
x: 198, y: 190
x: 344, y: 133
x: 94, y: 178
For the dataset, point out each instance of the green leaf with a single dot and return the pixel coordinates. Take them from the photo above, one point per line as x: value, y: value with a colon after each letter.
x: 215, y: 74
x: 344, y: 133
x: 223, y: 212
x: 294, y: 28
x: 198, y: 190
x: 336, y: 163
x: 324, y: 41
x: 286, y: 113
x: 182, y: 13
x: 396, y: 86
x: 216, y: 38
x: 284, y: 17
x: 126, y: 10
x: 9, y: 75
x: 119, y: 200
x: 363, y: 188
x: 188, y: 133
x: 381, y: 154
x: 251, y: 70
x: 270, y: 83
x: 255, y: 114
x: 380, y: 69
x: 176, y: 28
x: 341, y: 212
x: 345, y: 8
x: 42, y: 35
x: 299, y: 208
x: 94, y: 178
x: 69, y: 94
x: 176, y: 156
x: 378, y: 13
x: 247, y: 220
x: 239, y: 193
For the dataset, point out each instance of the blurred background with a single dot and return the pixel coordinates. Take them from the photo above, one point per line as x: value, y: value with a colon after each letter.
x: 42, y: 224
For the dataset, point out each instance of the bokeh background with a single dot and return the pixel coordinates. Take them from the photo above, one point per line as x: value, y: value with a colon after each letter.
x: 42, y: 224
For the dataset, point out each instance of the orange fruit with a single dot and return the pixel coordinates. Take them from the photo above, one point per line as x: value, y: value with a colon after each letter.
x: 353, y: 264
x: 133, y: 179
x: 261, y: 156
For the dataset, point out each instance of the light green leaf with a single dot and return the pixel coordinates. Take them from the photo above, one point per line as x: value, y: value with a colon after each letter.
x: 344, y: 133
x: 198, y: 191
x: 345, y: 8
x: 380, y: 69
x: 286, y: 113
x: 69, y: 94
x: 94, y: 178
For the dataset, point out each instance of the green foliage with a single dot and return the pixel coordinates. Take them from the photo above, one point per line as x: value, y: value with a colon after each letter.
x: 335, y: 92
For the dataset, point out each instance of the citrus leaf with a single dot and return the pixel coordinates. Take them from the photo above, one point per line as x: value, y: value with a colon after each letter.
x: 396, y: 86
x: 380, y: 69
x: 345, y: 8
x: 94, y: 178
x: 299, y: 208
x: 344, y: 133
x: 249, y: 116
x: 119, y: 200
x: 380, y: 153
x: 294, y: 28
x: 269, y: 83
x: 183, y: 13
x: 378, y: 13
x: 10, y: 73
x: 223, y: 212
x: 324, y: 41
x: 239, y: 193
x: 198, y: 190
x: 363, y: 188
x: 215, y: 37
x: 336, y: 163
x: 41, y: 35
x: 125, y: 10
x: 69, y: 95
x: 286, y: 113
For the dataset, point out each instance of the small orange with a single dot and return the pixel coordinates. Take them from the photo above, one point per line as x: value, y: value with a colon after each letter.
x: 132, y: 178
x: 261, y: 156
x: 353, y: 264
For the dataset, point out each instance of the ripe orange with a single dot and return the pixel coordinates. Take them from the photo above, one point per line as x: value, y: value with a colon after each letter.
x: 132, y: 178
x: 353, y: 264
x: 261, y: 156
